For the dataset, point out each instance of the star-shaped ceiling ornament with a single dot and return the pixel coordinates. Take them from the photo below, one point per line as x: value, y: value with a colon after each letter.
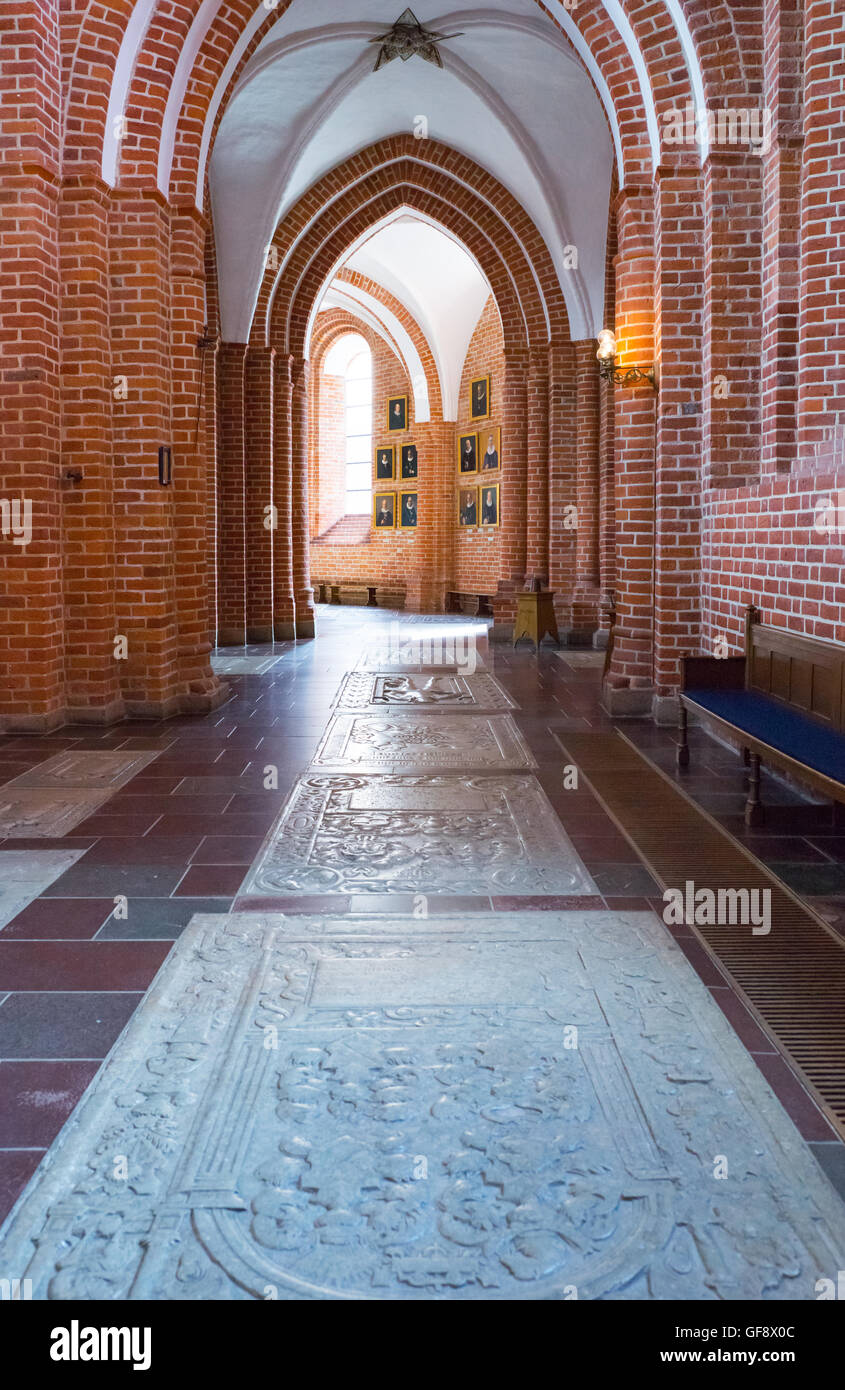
x: 408, y: 39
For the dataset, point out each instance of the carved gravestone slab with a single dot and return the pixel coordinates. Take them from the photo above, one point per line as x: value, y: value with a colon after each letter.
x: 516, y: 1106
x: 24, y: 874
x: 422, y: 742
x: 432, y: 834
x: 84, y: 768
x: 33, y: 813
x: 380, y: 692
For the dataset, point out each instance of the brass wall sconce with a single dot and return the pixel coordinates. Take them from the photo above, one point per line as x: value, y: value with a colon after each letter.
x: 622, y: 376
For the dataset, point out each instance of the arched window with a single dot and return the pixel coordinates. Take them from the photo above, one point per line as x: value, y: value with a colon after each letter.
x: 350, y: 358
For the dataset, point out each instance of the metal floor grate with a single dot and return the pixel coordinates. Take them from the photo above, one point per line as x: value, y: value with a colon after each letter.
x: 794, y: 978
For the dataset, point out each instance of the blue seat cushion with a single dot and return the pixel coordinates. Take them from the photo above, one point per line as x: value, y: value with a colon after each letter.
x: 792, y: 733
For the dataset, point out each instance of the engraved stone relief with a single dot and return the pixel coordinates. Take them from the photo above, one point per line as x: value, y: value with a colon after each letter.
x: 84, y: 768
x: 292, y: 1120
x: 37, y: 813
x: 415, y: 742
x: 427, y: 690
x: 418, y: 834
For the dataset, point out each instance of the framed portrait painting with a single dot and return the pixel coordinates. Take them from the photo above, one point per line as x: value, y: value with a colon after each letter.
x: 408, y: 511
x: 468, y: 506
x: 384, y: 510
x: 490, y: 443
x: 397, y: 413
x: 410, y: 462
x: 385, y: 465
x: 468, y: 453
x: 489, y: 505
x: 480, y: 404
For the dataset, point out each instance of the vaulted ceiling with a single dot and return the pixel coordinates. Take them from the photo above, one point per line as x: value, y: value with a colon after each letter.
x: 512, y: 95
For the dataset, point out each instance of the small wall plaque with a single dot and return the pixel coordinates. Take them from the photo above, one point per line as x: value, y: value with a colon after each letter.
x: 165, y: 465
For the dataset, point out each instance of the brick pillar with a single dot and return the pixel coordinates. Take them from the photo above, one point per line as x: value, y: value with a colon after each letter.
x: 781, y: 167
x: 821, y: 382
x: 89, y: 394
x: 731, y: 317
x: 303, y: 593
x: 537, y: 472
x: 678, y: 567
x: 200, y: 688
x: 629, y: 685
x: 284, y: 607
x: 563, y: 464
x: 258, y: 436
x: 231, y: 497
x: 31, y: 607
x: 585, y: 606
x: 512, y: 548
x: 145, y: 512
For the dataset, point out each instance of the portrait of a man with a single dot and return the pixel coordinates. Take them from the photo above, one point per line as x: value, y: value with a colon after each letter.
x: 490, y: 506
x: 408, y: 510
x: 397, y: 413
x: 409, y: 461
x: 491, y: 458
x: 385, y: 464
x: 480, y: 404
x: 384, y: 510
x: 467, y: 506
x: 468, y: 453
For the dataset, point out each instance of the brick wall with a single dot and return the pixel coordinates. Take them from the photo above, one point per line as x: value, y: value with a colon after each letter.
x: 476, y: 551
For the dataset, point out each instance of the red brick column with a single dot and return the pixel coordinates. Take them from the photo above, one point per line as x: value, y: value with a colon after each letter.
x: 303, y: 593
x: 781, y: 167
x: 284, y: 606
x: 731, y: 315
x: 512, y: 552
x: 89, y: 395
x: 258, y: 436
x: 200, y: 687
x: 629, y: 686
x: 231, y: 497
x: 145, y: 521
x: 585, y: 605
x: 31, y: 606
x: 537, y: 471
x: 821, y: 382
x: 678, y: 296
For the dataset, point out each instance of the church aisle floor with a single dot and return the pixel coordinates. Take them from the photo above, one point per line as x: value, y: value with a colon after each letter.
x: 184, y: 833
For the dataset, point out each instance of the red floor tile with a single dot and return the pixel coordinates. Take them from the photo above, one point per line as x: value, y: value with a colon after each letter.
x: 36, y: 1099
x: 80, y: 965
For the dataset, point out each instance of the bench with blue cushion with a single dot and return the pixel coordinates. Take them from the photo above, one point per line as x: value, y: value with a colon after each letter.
x: 784, y: 701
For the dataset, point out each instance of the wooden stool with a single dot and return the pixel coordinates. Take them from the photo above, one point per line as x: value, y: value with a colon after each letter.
x: 535, y: 618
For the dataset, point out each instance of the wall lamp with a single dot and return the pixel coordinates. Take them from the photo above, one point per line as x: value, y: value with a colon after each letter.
x: 622, y: 376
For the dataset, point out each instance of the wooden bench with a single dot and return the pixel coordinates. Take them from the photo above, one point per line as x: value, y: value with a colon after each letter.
x: 785, y: 702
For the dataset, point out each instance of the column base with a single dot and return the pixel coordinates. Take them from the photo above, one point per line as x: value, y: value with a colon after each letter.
x: 231, y: 637
x: 627, y: 702
x: 284, y: 631
x: 305, y: 627
x: 262, y: 632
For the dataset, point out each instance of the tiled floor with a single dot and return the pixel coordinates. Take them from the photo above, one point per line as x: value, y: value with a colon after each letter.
x: 183, y: 834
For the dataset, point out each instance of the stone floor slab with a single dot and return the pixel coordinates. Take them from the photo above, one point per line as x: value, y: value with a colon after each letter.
x: 433, y: 834
x: 512, y: 1107
x: 380, y: 691
x: 24, y: 874
x: 38, y: 813
x: 414, y: 743
x: 85, y: 768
